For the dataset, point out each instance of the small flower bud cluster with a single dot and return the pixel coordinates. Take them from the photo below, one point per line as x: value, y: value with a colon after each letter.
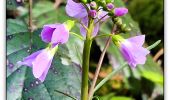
x: 123, y: 28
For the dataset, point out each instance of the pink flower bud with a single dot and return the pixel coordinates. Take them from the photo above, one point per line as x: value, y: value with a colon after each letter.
x: 120, y: 11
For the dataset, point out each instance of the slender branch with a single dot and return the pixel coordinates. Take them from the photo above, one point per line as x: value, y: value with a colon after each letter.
x: 101, y: 19
x: 158, y: 54
x: 65, y: 94
x: 83, y: 26
x: 99, y: 65
x: 57, y: 3
x: 30, y: 16
x: 30, y: 22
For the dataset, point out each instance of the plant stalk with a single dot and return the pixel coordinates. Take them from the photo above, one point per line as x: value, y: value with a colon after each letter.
x: 86, y: 58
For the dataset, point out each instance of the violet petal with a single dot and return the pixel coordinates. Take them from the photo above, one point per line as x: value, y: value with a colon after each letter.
x: 28, y: 60
x: 138, y: 40
x: 47, y: 32
x: 60, y: 35
x: 76, y: 10
x: 43, y: 76
x: 41, y: 63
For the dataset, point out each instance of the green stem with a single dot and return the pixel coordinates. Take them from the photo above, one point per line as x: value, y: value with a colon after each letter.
x: 86, y: 58
x: 78, y: 36
x: 85, y: 69
x: 110, y: 76
x: 102, y: 36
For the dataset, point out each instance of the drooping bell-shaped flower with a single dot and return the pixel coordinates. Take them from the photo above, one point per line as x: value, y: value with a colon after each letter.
x: 132, y: 49
x: 120, y: 11
x: 40, y: 62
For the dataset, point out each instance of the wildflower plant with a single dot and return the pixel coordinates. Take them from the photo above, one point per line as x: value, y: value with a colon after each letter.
x: 88, y: 15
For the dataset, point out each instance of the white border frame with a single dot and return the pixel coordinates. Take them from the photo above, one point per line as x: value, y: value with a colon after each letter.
x: 167, y: 49
x: 2, y: 50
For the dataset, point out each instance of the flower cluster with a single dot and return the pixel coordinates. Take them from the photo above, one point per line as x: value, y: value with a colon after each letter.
x: 93, y: 10
x: 40, y: 61
x: 89, y: 14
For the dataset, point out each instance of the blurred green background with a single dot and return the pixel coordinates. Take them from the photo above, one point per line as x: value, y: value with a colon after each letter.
x: 143, y: 83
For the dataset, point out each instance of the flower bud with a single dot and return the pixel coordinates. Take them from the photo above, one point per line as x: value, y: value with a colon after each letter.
x: 93, y: 5
x: 84, y: 1
x: 120, y: 11
x: 127, y: 29
x: 93, y: 13
x: 118, y: 21
x: 123, y: 26
x: 110, y: 6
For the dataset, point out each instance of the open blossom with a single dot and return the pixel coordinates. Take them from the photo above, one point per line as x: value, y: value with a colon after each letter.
x: 77, y: 10
x: 41, y: 60
x: 132, y: 50
x: 120, y: 11
x: 55, y: 33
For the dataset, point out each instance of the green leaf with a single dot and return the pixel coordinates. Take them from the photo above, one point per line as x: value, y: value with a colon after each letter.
x: 155, y: 77
x: 21, y: 83
x: 16, y: 26
x: 121, y: 98
x: 45, y: 13
x: 11, y: 4
x: 112, y: 96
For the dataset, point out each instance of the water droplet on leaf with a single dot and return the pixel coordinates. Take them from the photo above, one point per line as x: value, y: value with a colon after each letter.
x: 25, y: 90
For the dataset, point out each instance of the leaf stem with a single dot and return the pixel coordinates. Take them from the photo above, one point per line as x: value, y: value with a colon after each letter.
x: 110, y: 76
x: 101, y: 19
x: 79, y: 36
x: 65, y: 94
x: 102, y: 35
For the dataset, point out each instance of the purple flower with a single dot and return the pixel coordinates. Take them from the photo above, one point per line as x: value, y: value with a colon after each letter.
x: 40, y: 62
x: 120, y: 11
x: 133, y: 51
x: 55, y: 33
x: 77, y: 10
